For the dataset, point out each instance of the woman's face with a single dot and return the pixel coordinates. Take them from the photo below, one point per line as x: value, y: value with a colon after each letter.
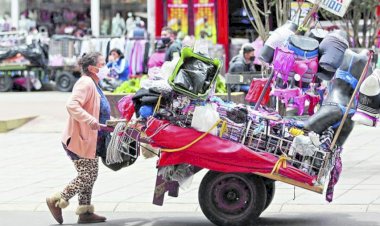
x: 114, y: 55
x: 101, y: 63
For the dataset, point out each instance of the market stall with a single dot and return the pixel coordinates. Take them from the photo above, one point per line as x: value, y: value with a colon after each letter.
x: 22, y: 64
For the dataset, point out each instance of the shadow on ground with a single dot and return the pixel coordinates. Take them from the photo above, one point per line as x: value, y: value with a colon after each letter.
x: 18, y: 218
x: 332, y: 219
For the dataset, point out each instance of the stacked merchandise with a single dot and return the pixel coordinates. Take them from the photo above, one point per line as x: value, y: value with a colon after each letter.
x: 300, y: 62
x: 210, y: 133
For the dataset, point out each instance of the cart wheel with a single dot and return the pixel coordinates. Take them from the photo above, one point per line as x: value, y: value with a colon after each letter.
x: 232, y: 199
x: 6, y: 83
x: 65, y: 81
x: 270, y: 188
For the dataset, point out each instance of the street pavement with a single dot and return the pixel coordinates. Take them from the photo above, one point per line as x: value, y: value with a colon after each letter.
x: 33, y: 165
x: 194, y: 219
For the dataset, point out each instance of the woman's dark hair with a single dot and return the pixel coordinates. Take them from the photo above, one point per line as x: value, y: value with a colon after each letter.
x: 118, y: 51
x: 88, y: 59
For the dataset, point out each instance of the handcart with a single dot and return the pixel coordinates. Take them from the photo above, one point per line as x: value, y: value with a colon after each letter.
x: 244, y: 157
x: 229, y: 195
x: 63, y: 53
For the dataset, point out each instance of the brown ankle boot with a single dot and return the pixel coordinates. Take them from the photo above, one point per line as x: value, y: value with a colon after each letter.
x: 55, y: 204
x: 86, y: 215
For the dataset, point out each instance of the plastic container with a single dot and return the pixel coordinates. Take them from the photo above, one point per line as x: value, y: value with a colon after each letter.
x: 187, y: 52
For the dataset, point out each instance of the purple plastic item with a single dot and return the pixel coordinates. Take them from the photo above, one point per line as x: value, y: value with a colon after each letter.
x: 334, y: 175
x: 283, y: 62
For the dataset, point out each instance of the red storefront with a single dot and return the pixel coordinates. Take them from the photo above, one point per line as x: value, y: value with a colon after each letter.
x: 195, y: 17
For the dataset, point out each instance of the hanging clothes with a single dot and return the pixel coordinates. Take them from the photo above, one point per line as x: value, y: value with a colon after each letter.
x: 137, y: 57
x: 118, y: 43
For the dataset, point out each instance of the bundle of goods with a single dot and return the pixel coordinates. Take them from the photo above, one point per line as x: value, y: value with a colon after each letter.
x: 301, y: 62
x: 35, y: 53
x: 194, y: 74
x: 228, y: 137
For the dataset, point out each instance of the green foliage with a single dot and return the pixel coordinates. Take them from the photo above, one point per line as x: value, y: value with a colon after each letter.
x: 130, y: 86
x: 220, y: 85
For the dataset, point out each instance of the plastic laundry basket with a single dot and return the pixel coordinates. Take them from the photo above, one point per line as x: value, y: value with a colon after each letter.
x: 187, y: 52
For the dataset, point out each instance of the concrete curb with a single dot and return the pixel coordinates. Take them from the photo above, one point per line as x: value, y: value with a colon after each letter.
x: 10, y: 124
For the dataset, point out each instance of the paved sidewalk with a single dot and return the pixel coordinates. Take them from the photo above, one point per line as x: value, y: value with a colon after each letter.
x: 17, y: 218
x: 33, y: 165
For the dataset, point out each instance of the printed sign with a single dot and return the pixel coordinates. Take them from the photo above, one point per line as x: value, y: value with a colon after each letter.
x: 337, y: 7
x: 177, y: 16
x: 204, y: 19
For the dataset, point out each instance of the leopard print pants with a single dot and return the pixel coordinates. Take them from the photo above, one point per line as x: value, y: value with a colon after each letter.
x: 82, y: 185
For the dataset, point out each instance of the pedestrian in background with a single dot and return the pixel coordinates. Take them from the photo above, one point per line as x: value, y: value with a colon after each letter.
x: 243, y: 63
x: 157, y: 59
x: 82, y: 140
x: 118, y: 65
x: 168, y: 37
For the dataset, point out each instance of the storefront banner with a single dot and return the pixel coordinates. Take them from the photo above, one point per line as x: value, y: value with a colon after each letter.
x: 337, y: 7
x: 178, y: 16
x: 204, y: 19
x: 299, y: 16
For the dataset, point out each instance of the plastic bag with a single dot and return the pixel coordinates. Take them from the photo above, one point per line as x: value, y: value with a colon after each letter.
x: 303, y: 146
x: 35, y: 53
x: 204, y: 117
x: 195, y: 75
x: 155, y: 73
x: 168, y: 67
x: 183, y: 174
x: 126, y: 107
x: 161, y: 85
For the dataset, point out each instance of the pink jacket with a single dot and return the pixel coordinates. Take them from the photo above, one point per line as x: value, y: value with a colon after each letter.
x: 83, y: 107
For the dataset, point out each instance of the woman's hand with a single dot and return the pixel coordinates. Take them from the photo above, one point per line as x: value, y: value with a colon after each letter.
x: 94, y: 125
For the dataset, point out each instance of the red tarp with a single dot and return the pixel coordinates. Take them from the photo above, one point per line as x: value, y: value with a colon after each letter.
x: 215, y: 153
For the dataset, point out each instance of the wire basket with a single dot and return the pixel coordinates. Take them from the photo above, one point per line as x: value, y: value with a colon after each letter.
x: 67, y: 47
x: 64, y: 50
x: 234, y: 132
x: 274, y: 140
x: 124, y: 145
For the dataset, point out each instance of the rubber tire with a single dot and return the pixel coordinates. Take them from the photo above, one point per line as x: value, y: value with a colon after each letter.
x: 65, y: 81
x: 6, y: 83
x: 249, y: 216
x: 270, y: 187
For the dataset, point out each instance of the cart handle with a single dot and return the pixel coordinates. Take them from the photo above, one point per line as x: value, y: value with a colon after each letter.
x: 106, y: 128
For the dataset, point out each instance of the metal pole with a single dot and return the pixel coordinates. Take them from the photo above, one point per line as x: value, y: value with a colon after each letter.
x: 15, y: 11
x: 264, y: 90
x: 95, y: 17
x: 151, y: 5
